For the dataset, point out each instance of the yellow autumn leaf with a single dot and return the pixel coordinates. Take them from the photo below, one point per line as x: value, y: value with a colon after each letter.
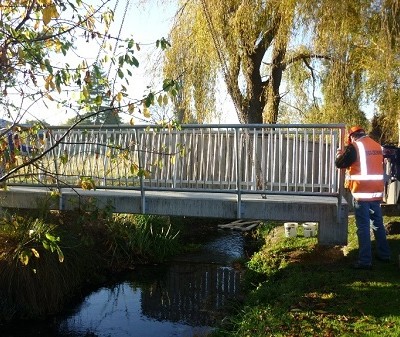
x: 160, y: 100
x: 85, y: 92
x: 48, y: 81
x: 45, y: 2
x: 131, y: 108
x: 119, y: 97
x: 48, y: 13
x: 146, y: 112
x: 132, y: 121
x: 147, y: 174
x: 165, y: 99
x: 35, y: 252
x: 60, y: 256
x: 134, y: 169
x: 54, y: 194
x: 57, y: 46
x: 24, y: 257
x: 49, y: 97
x: 21, y: 53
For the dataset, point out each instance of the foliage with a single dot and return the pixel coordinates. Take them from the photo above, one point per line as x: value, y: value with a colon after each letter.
x: 297, y: 288
x: 328, y: 77
x: 30, y: 235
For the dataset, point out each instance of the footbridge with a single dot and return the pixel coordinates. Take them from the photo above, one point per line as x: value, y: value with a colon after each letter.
x: 262, y: 172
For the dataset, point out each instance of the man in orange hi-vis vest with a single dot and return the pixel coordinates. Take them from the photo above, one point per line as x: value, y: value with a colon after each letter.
x: 363, y: 159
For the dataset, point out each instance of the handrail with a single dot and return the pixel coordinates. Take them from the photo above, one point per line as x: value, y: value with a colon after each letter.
x: 233, y: 158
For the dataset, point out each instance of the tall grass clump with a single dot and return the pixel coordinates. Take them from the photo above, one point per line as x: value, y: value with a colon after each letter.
x: 141, y: 238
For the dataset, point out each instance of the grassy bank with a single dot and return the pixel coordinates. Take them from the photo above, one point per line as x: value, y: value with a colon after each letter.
x: 296, y: 288
x: 48, y: 258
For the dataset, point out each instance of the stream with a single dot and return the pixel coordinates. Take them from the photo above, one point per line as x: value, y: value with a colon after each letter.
x: 184, y: 298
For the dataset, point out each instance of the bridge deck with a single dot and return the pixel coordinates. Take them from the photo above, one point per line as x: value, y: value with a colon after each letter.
x: 324, y: 210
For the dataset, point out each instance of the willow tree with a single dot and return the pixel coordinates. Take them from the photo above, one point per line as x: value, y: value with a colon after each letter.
x: 334, y: 81
x: 364, y: 66
x: 317, y: 48
x: 382, y: 62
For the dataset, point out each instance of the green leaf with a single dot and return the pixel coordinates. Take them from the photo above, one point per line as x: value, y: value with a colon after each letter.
x: 45, y: 245
x: 168, y: 84
x: 149, y: 100
x: 48, y: 66
x: 52, y: 238
x: 135, y: 62
x: 98, y: 100
x: 120, y: 73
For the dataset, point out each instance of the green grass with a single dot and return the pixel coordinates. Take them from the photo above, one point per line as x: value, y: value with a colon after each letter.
x: 296, y: 288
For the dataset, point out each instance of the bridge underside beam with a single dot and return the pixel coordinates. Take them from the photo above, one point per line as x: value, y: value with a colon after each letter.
x: 332, y: 229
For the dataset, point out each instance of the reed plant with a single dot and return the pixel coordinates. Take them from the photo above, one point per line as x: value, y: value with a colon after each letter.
x: 142, y: 238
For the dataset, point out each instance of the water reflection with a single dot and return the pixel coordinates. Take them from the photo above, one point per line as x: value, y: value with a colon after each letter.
x: 185, y: 302
x: 191, y: 293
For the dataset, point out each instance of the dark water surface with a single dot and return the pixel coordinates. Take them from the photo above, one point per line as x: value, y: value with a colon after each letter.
x: 184, y: 298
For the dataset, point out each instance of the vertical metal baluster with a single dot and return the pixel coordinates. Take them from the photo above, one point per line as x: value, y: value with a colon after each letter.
x: 263, y: 159
x: 254, y: 160
x: 238, y: 174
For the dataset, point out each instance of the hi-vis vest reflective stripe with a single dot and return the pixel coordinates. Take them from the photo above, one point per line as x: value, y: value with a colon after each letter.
x: 365, y: 176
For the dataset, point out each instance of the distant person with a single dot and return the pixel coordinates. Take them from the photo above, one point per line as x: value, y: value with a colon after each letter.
x: 21, y: 148
x: 363, y: 159
x: 17, y: 143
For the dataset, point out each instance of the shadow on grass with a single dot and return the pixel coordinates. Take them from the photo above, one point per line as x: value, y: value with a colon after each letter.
x: 323, y: 280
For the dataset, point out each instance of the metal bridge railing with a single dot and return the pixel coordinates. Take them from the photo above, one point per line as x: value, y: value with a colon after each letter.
x: 265, y: 159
